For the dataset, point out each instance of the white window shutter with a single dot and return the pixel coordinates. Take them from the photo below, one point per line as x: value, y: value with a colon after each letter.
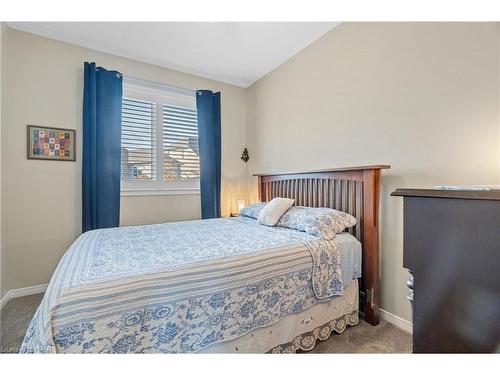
x: 159, y: 146
x: 180, y: 144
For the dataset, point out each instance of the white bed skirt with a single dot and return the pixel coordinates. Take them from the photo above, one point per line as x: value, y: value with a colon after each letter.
x: 317, y: 320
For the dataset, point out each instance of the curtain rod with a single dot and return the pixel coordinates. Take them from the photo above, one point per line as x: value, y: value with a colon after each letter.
x: 156, y: 85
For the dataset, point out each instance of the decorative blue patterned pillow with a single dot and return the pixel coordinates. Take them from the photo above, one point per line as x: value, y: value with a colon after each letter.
x: 253, y: 210
x: 321, y: 222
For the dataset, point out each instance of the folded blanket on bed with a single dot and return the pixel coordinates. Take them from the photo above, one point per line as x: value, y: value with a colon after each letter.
x: 179, y: 287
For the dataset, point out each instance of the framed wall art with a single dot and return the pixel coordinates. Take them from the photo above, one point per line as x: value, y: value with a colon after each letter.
x: 51, y: 143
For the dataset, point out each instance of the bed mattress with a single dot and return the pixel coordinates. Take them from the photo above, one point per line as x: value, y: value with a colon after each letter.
x: 350, y: 257
x: 182, y: 287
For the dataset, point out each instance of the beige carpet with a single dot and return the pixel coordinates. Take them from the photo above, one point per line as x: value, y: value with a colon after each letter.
x: 363, y: 338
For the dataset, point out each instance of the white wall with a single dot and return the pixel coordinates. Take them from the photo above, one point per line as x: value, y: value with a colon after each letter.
x: 43, y: 85
x: 420, y: 97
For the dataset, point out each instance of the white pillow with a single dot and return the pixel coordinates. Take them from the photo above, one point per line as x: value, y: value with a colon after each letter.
x: 273, y: 211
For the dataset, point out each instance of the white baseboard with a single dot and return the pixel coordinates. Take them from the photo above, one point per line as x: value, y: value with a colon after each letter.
x: 399, y: 322
x: 21, y: 292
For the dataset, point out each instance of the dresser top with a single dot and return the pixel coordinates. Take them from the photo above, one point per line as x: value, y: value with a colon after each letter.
x: 445, y: 193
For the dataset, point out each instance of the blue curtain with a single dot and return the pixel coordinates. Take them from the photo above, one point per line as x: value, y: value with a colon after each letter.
x: 209, y: 145
x: 102, y: 117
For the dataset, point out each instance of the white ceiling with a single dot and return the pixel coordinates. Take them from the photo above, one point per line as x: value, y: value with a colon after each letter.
x: 238, y: 53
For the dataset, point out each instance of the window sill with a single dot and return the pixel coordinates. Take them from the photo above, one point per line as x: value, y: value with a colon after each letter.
x: 145, y: 192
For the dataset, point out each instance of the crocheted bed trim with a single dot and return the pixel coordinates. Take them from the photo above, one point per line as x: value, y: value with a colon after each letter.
x: 307, y: 341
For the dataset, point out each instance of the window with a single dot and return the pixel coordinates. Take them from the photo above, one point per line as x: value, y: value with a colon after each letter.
x: 159, y: 147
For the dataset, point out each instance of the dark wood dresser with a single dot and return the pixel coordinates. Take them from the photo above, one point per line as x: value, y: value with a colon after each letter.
x: 452, y: 252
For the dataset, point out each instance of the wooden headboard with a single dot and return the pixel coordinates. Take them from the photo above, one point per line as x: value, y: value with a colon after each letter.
x: 355, y: 190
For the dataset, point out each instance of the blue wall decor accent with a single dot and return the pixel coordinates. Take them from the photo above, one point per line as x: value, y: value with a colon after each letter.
x: 209, y: 144
x: 102, y: 116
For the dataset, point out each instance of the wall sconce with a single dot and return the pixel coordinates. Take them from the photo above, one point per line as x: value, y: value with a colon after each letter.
x: 244, y: 155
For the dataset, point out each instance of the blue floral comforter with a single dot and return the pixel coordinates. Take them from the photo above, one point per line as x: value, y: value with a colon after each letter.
x: 179, y: 287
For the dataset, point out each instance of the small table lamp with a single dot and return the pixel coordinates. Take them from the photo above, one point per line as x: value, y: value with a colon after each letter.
x: 241, y: 204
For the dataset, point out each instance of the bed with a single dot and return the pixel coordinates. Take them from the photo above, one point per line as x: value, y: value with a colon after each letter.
x: 218, y: 285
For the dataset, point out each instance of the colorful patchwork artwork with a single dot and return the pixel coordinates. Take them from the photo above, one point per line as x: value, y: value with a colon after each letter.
x: 51, y: 143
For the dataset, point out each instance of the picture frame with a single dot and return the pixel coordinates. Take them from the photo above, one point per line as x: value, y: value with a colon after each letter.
x: 49, y: 143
